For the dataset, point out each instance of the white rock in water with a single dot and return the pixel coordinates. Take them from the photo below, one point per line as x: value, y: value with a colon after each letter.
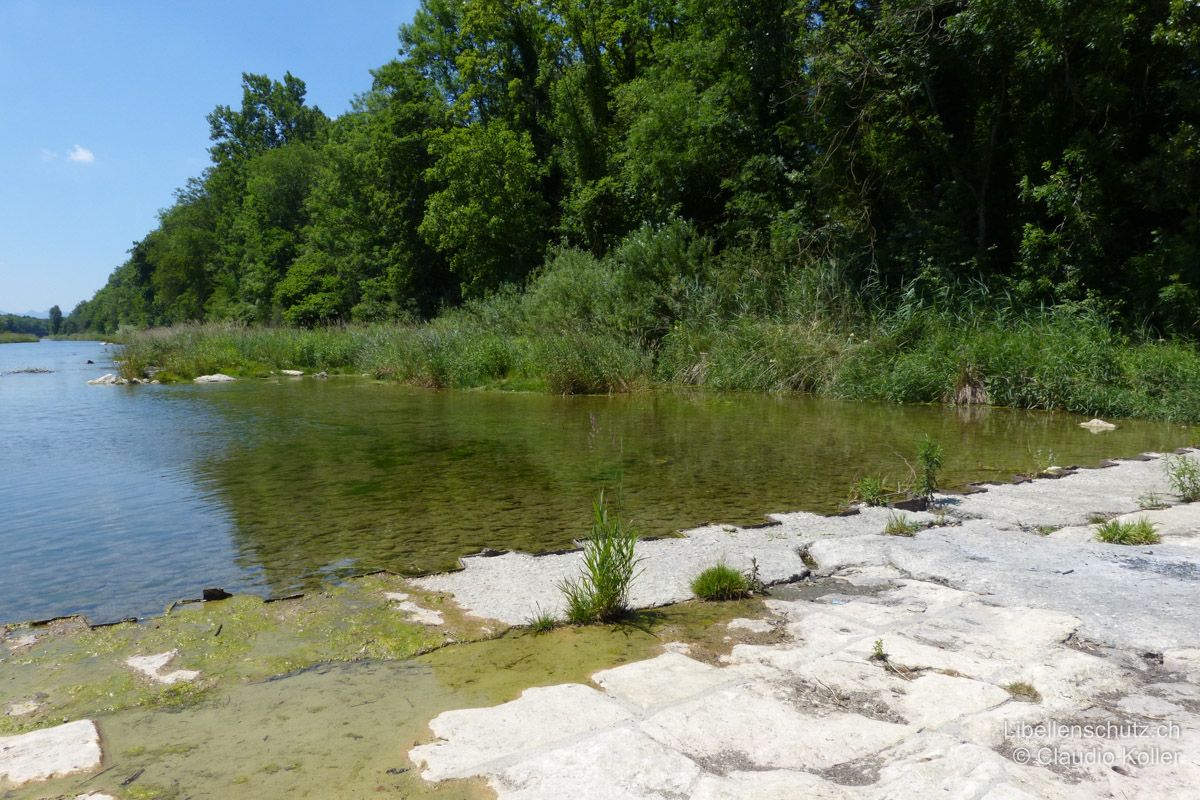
x: 107, y: 379
x: 152, y: 667
x: 217, y: 378
x: 291, y: 373
x: 22, y: 709
x: 425, y: 616
x: 50, y: 752
x: 1096, y: 425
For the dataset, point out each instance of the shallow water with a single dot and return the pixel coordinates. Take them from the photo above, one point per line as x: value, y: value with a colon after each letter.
x: 116, y: 500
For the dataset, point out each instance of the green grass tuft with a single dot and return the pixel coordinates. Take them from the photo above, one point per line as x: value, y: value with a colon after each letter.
x: 601, y: 593
x: 541, y: 622
x: 1131, y: 533
x: 900, y: 525
x: 1025, y: 692
x: 870, y: 490
x: 721, y: 582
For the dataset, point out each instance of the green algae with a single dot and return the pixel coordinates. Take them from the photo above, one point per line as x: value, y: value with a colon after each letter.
x: 79, y: 673
x: 342, y: 730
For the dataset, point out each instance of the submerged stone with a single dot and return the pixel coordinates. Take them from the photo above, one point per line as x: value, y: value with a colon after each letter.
x: 152, y: 667
x: 50, y: 752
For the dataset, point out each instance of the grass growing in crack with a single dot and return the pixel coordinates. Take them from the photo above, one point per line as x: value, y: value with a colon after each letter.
x: 900, y: 525
x: 721, y: 582
x: 1183, y: 474
x: 601, y: 592
x: 930, y: 458
x: 1137, y: 532
x: 1025, y: 692
x: 1151, y: 501
x: 541, y: 622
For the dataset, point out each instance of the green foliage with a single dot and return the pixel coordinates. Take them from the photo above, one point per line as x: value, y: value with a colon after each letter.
x: 721, y: 582
x: 541, y: 622
x: 1140, y: 531
x: 884, y: 201
x: 29, y: 326
x: 17, y: 338
x: 601, y: 592
x: 930, y: 458
x: 486, y: 218
x: 877, y: 651
x: 900, y: 525
x: 1183, y: 473
x: 870, y: 489
x: 1024, y: 692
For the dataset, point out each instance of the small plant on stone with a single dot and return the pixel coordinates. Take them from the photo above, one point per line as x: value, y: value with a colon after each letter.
x: 601, y: 592
x: 721, y: 582
x: 753, y: 580
x: 900, y: 525
x: 930, y: 458
x: 541, y: 622
x: 878, y: 653
x: 1183, y: 474
x: 1020, y: 690
x: 1137, y: 532
x: 869, y: 490
x: 1151, y: 500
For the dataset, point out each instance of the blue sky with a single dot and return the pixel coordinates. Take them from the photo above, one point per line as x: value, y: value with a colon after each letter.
x: 102, y: 108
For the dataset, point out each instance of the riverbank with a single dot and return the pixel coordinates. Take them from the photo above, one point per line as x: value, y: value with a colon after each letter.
x: 883, y: 663
x: 1001, y: 651
x: 1061, y: 358
x: 17, y: 338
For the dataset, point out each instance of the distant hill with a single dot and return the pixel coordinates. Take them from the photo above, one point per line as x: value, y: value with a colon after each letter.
x: 34, y: 314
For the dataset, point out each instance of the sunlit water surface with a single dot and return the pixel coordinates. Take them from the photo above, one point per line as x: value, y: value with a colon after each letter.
x: 115, y: 500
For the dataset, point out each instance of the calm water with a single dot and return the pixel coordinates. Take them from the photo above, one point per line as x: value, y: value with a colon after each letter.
x: 116, y: 500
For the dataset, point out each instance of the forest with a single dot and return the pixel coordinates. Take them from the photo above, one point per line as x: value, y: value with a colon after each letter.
x: 672, y: 173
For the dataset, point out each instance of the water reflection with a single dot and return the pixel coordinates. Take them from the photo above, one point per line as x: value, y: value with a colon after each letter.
x: 117, y: 500
x: 380, y: 476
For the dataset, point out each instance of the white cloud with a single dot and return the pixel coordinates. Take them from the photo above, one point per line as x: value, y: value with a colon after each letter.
x: 81, y: 154
x: 48, y: 154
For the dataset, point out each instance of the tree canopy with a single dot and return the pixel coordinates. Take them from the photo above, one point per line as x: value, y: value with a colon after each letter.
x: 1049, y: 149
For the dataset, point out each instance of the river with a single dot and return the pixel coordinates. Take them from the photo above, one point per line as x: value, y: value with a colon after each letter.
x: 116, y: 500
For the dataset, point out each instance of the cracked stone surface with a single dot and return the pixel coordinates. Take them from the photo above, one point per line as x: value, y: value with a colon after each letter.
x: 50, y: 752
x: 1017, y: 664
x: 512, y: 587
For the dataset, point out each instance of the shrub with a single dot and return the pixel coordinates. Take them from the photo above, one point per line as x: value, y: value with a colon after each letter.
x: 1183, y: 474
x: 900, y: 525
x: 721, y: 582
x: 601, y: 592
x: 584, y: 363
x: 1138, y: 532
x: 930, y: 457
